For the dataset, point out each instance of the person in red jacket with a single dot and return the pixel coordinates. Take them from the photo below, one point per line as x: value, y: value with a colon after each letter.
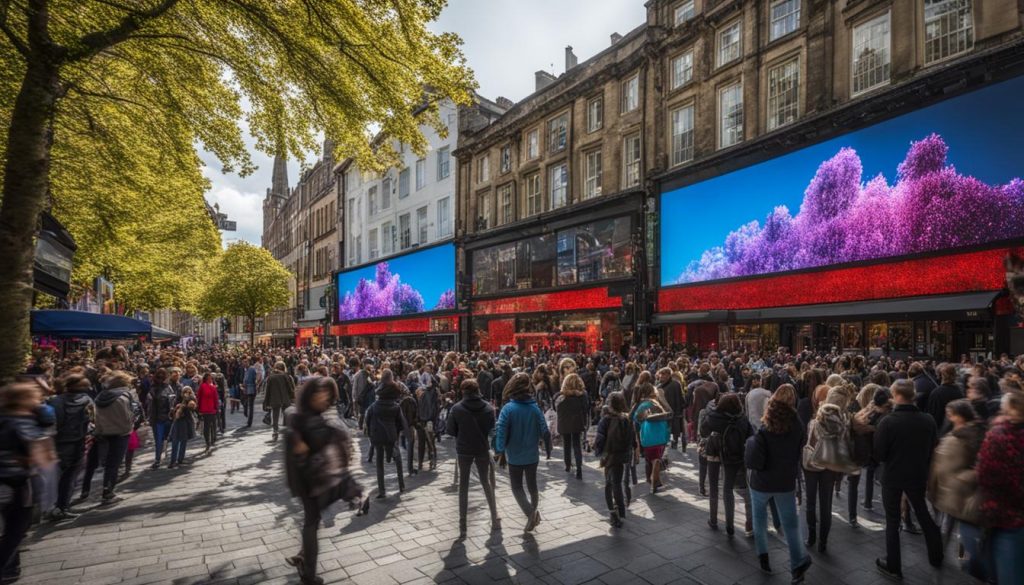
x: 1002, y: 488
x: 208, y: 404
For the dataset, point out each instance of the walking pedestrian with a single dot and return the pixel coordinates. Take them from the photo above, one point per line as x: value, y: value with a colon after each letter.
x: 278, y: 394
x: 73, y: 411
x: 384, y: 423
x: 725, y: 430
x: 903, y: 445
x: 183, y: 426
x: 471, y: 422
x: 652, y: 415
x: 673, y: 394
x: 520, y: 429
x: 161, y: 405
x: 999, y: 476
x: 208, y: 403
x: 115, y: 413
x: 573, y: 408
x: 614, y: 444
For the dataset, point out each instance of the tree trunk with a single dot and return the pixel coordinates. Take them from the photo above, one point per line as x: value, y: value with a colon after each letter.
x: 26, y: 178
x: 252, y: 332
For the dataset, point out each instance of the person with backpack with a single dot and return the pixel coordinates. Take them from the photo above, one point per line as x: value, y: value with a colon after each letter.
x: 471, y: 422
x: 161, y: 400
x: 427, y: 409
x: 614, y: 444
x: 652, y: 416
x: 115, y: 414
x: 519, y: 430
x: 573, y: 408
x: 73, y: 411
x: 773, y: 458
x: 279, y: 394
x: 384, y: 423
x: 725, y: 430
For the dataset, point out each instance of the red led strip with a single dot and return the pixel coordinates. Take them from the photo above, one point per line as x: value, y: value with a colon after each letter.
x: 570, y: 300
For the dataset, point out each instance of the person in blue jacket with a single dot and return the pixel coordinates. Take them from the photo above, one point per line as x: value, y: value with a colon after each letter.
x: 519, y: 431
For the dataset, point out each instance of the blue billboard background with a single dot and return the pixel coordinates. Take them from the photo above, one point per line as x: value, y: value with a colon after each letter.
x: 941, y: 177
x: 403, y: 285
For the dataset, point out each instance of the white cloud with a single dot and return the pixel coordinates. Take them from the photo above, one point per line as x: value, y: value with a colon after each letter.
x: 243, y: 207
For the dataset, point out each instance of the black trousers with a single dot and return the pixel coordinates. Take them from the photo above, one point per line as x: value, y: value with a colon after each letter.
x: 249, y: 402
x: 482, y: 463
x: 70, y: 456
x: 616, y: 489
x: 572, y: 444
x: 515, y: 476
x: 209, y: 429
x: 820, y: 490
x: 17, y: 518
x: 852, y: 489
x: 92, y: 463
x: 112, y: 451
x: 310, y: 525
x: 891, y: 498
x: 385, y: 451
x: 735, y: 477
x: 275, y: 417
x: 869, y: 483
x: 702, y: 472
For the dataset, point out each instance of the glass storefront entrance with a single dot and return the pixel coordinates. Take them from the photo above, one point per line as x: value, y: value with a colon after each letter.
x: 576, y: 332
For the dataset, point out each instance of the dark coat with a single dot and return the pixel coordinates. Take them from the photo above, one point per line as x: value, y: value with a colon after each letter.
x: 590, y: 382
x: 939, y: 398
x: 324, y: 466
x: 484, y: 380
x: 677, y: 402
x: 385, y: 420
x: 904, y: 443
x: 774, y: 458
x: 497, y: 388
x: 161, y: 399
x: 616, y: 439
x: 573, y: 413
x: 471, y: 422
x: 923, y: 387
x: 280, y: 391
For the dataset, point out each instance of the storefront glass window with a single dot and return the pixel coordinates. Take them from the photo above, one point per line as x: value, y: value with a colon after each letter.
x: 852, y: 337
x: 901, y: 336
x: 878, y: 337
x: 749, y: 337
x: 567, y: 257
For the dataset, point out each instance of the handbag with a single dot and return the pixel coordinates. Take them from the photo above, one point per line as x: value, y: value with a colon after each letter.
x: 266, y: 418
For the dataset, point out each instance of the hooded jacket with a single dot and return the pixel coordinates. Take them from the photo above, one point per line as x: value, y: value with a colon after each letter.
x: 520, y: 428
x: 115, y: 410
x: 426, y: 404
x: 774, y: 458
x: 385, y: 420
x: 616, y: 438
x: 161, y: 400
x: 573, y: 413
x: 904, y: 441
x: 280, y: 391
x: 471, y: 422
x: 953, y: 482
x: 832, y: 428
x: 73, y: 411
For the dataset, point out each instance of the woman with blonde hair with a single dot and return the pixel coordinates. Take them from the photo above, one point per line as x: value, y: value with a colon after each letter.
x: 573, y: 408
x: 652, y: 415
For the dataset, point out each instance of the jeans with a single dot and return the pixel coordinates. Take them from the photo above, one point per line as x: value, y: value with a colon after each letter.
x: 616, y: 489
x: 160, y: 431
x: 785, y: 502
x: 571, y: 444
x: 385, y: 451
x: 70, y: 455
x: 310, y: 525
x: 515, y: 475
x: 483, y: 462
x: 17, y: 517
x: 976, y: 563
x: 210, y: 429
x: 112, y: 450
x: 891, y: 497
x: 1008, y: 555
x: 735, y: 478
x: 820, y: 490
x: 178, y: 450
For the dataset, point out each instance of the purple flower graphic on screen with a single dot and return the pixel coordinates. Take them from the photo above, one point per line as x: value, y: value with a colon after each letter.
x: 845, y: 219
x: 386, y: 296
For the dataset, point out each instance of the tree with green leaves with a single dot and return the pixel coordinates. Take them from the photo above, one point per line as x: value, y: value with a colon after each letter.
x: 108, y: 100
x: 246, y: 281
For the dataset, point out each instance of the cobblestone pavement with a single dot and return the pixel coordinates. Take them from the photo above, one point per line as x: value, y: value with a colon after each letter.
x: 227, y: 518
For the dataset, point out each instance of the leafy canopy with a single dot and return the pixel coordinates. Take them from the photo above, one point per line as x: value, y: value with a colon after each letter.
x: 246, y: 281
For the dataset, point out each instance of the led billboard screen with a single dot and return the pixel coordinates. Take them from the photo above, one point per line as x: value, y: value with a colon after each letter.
x: 405, y: 285
x: 943, y: 177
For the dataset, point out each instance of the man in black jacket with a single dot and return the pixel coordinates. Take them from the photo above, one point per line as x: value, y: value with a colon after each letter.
x: 470, y: 422
x: 947, y: 392
x: 498, y: 385
x: 903, y: 445
x: 676, y: 399
x: 484, y: 377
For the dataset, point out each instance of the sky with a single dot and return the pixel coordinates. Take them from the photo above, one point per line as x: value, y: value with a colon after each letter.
x: 431, y: 272
x: 981, y: 143
x: 505, y: 42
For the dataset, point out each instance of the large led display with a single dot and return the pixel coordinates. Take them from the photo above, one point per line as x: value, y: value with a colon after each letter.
x: 406, y: 285
x: 943, y: 177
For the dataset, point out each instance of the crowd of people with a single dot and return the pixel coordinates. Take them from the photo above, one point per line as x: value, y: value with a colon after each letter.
x: 942, y: 442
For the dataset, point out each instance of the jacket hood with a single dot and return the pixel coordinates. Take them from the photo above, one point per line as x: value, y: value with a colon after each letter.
x: 109, y: 396
x: 717, y: 414
x: 524, y: 400
x: 474, y: 403
x: 607, y: 411
x: 76, y: 398
x: 831, y: 421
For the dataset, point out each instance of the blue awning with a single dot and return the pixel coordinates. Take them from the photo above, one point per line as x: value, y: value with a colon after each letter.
x: 66, y: 324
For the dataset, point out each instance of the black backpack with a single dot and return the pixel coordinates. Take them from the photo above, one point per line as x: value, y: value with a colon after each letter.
x: 733, y: 444
x: 74, y: 421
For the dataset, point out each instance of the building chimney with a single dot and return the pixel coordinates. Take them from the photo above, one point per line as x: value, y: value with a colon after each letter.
x: 543, y: 79
x: 616, y: 37
x: 504, y: 103
x: 570, y: 58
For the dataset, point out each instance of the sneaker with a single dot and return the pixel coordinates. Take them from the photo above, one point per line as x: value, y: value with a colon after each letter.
x: 108, y: 495
x: 883, y: 568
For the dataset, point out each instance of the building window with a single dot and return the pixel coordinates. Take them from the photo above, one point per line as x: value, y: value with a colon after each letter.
x: 948, y: 28
x: 682, y: 135
x: 533, y: 195
x: 483, y: 211
x: 506, y: 158
x: 631, y: 161
x: 505, y: 200
x: 684, y: 12
x: 387, y: 236
x: 729, y: 43
x: 422, y: 225
x: 359, y: 249
x: 532, y: 144
x: 558, y: 133
x: 444, y: 161
x: 373, y: 244
x: 682, y: 69
x: 595, y: 114
x: 871, y: 66
x: 785, y: 18
x: 421, y: 174
x: 444, y: 220
x: 730, y: 115
x: 592, y: 175
x: 385, y: 195
x: 783, y: 94
x: 558, y: 182
x: 403, y: 184
x: 373, y: 200
x: 404, y: 231
x: 630, y: 94
x: 483, y: 169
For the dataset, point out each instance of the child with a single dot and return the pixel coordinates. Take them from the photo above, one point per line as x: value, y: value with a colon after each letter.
x: 183, y: 427
x: 614, y: 444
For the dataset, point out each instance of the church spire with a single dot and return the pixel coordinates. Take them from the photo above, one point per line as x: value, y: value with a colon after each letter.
x: 279, y: 180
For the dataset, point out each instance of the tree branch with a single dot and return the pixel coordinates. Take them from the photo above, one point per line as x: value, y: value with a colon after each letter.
x: 5, y: 6
x: 95, y: 42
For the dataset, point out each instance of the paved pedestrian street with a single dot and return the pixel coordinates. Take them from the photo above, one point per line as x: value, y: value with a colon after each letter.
x: 228, y: 518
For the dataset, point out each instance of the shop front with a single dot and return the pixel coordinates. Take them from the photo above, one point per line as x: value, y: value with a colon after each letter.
x: 440, y: 333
